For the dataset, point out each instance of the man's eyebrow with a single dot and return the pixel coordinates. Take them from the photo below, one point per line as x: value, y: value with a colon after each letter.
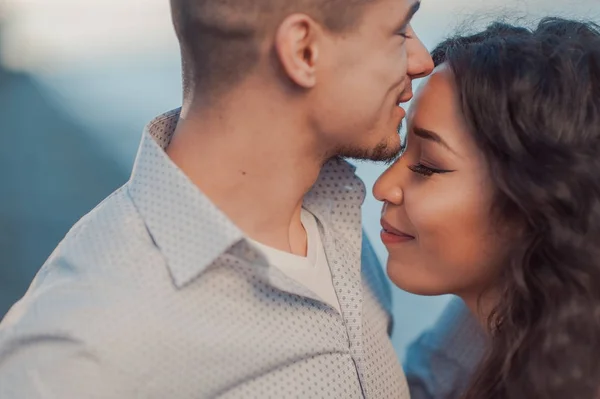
x: 432, y: 136
x: 411, y: 13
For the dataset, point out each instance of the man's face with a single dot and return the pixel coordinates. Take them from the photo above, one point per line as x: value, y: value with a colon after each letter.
x: 362, y: 78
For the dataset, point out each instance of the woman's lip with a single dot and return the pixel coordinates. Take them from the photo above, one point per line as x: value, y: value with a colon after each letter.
x: 390, y: 238
x: 389, y: 229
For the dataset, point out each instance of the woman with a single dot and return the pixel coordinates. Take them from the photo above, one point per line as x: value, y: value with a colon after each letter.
x: 497, y: 200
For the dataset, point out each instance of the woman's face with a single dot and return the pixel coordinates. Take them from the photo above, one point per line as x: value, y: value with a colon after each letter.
x: 436, y: 217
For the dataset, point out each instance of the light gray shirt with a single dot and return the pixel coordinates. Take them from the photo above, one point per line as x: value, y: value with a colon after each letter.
x: 157, y: 294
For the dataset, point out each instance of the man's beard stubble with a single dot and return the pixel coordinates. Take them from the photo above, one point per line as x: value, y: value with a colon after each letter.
x: 385, y: 151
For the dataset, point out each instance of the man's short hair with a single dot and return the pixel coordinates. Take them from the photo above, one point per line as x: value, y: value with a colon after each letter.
x: 219, y: 38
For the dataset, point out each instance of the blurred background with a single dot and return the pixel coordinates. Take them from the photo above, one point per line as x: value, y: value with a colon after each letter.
x: 80, y: 79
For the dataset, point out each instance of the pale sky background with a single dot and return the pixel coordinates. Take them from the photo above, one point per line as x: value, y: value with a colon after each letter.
x: 50, y: 34
x: 113, y: 65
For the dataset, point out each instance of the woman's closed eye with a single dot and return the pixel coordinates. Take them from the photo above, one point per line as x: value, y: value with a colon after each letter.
x: 427, y: 171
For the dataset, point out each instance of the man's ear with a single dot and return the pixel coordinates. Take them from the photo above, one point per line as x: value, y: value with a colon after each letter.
x: 297, y: 47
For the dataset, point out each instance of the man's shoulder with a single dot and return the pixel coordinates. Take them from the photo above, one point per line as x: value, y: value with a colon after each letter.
x: 105, y: 251
x: 93, y: 282
x: 113, y: 232
x: 374, y: 275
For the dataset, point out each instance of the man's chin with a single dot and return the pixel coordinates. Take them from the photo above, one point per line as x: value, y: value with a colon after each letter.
x: 385, y: 152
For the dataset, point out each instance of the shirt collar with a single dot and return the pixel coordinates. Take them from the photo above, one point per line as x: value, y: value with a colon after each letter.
x: 186, y: 226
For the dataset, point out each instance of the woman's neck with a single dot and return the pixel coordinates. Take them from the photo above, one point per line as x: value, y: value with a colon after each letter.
x: 481, y: 305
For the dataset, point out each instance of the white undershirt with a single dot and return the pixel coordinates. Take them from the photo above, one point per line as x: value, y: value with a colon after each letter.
x: 311, y: 271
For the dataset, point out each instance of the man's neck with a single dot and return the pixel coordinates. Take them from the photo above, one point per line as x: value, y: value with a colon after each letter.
x: 255, y: 162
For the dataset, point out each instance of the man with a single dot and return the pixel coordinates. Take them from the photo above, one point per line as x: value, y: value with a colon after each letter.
x: 230, y: 264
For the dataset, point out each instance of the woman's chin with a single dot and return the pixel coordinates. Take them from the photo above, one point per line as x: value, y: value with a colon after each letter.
x: 414, y: 281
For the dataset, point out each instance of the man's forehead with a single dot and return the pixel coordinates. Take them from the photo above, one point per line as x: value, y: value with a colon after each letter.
x: 398, y: 11
x: 393, y: 12
x: 414, y: 6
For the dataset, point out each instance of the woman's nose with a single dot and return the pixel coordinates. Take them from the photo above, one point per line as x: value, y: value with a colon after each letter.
x: 387, y: 187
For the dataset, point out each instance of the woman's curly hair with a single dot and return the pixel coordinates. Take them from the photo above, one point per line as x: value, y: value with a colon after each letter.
x: 532, y: 102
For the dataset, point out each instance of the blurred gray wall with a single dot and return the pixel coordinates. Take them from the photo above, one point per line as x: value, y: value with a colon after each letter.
x: 51, y: 174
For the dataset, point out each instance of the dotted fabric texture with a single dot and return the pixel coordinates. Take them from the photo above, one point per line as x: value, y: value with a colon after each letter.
x: 157, y: 294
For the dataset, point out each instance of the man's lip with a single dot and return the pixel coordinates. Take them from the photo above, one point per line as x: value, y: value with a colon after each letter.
x: 405, y: 98
x: 406, y: 95
x: 388, y: 228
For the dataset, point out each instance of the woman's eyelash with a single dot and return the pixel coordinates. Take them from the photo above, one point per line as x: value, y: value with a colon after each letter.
x: 426, y: 170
